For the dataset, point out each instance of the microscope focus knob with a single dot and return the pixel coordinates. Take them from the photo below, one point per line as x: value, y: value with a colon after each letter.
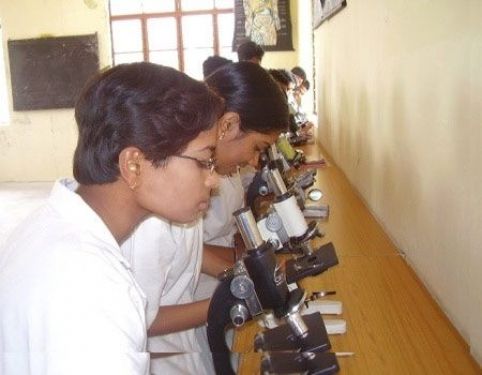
x: 274, y: 222
x: 242, y: 287
x: 239, y: 314
x: 263, y: 190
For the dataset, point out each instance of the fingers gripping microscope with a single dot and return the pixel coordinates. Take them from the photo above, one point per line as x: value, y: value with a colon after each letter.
x: 257, y: 285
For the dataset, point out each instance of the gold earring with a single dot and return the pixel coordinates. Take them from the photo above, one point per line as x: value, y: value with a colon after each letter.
x: 222, y: 135
x: 134, y: 185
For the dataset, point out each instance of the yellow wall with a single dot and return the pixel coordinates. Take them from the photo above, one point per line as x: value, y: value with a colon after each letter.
x: 399, y: 100
x: 305, y: 51
x: 38, y: 145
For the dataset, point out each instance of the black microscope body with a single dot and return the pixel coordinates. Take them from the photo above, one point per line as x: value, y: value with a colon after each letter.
x: 257, y: 285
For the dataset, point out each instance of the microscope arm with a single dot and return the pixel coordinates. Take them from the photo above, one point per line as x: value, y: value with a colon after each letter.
x: 219, y: 318
x: 258, y: 187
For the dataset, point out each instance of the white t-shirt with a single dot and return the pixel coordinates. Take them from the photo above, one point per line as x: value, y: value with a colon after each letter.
x: 166, y: 260
x: 69, y: 303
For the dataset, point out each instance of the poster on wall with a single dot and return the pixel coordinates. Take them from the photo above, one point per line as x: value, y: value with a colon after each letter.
x: 324, y: 9
x: 265, y: 22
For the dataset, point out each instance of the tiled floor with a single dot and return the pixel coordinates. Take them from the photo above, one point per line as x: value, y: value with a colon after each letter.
x: 17, y: 200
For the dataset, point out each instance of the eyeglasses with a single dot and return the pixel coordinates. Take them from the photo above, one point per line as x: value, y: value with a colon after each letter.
x: 209, y: 164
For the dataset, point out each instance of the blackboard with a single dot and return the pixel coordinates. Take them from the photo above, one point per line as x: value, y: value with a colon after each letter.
x: 50, y: 72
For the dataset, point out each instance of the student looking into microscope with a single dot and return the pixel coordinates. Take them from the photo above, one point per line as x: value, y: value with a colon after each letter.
x: 69, y: 303
x: 255, y: 114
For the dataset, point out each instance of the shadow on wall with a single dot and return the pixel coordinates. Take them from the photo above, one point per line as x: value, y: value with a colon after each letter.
x: 343, y: 109
x: 363, y: 146
x: 399, y: 192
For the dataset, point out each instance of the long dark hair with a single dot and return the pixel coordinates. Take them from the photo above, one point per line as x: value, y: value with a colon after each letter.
x: 249, y: 90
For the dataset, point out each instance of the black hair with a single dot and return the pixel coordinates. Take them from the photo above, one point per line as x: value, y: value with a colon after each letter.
x: 155, y: 108
x: 212, y: 63
x: 248, y: 50
x: 300, y: 72
x: 249, y: 90
x: 282, y: 76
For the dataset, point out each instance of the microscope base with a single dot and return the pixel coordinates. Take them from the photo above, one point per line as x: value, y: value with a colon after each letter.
x: 282, y: 338
x: 300, y: 363
x: 311, y: 265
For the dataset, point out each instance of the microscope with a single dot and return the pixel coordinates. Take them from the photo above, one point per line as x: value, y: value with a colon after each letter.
x: 263, y: 184
x: 292, y: 156
x: 254, y: 286
x: 295, y: 157
x: 285, y: 226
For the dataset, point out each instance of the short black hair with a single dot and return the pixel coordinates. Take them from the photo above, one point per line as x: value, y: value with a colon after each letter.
x: 249, y: 90
x: 155, y: 108
x: 300, y: 72
x: 248, y: 50
x: 212, y: 63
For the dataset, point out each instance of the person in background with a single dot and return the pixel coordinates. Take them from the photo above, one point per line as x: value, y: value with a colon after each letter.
x: 168, y: 258
x: 300, y: 126
x: 251, y: 52
x: 302, y: 84
x: 301, y: 90
x: 69, y: 303
x: 287, y: 82
x: 212, y: 63
x: 300, y: 75
x: 305, y: 126
x: 285, y: 79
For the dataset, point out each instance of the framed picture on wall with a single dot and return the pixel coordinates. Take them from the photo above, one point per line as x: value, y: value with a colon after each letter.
x: 265, y: 22
x: 324, y: 9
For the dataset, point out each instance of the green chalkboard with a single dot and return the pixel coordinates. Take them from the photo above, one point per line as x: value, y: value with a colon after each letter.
x: 50, y: 72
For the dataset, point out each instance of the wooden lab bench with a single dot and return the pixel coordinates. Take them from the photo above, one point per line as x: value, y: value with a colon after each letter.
x: 394, y: 326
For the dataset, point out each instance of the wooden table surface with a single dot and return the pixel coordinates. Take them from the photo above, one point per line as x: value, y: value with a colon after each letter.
x: 393, y: 324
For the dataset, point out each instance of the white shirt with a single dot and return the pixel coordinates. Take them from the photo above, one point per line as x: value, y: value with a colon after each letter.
x: 166, y: 260
x: 68, y: 301
x: 219, y: 224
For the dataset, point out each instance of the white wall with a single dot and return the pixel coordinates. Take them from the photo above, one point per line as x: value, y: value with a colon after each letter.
x: 400, y: 88
x: 38, y: 145
x: 305, y: 51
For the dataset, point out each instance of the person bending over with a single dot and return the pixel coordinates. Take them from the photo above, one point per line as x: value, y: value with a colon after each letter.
x: 69, y: 303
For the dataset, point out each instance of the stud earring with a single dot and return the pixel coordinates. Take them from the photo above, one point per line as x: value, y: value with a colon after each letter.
x: 222, y: 135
